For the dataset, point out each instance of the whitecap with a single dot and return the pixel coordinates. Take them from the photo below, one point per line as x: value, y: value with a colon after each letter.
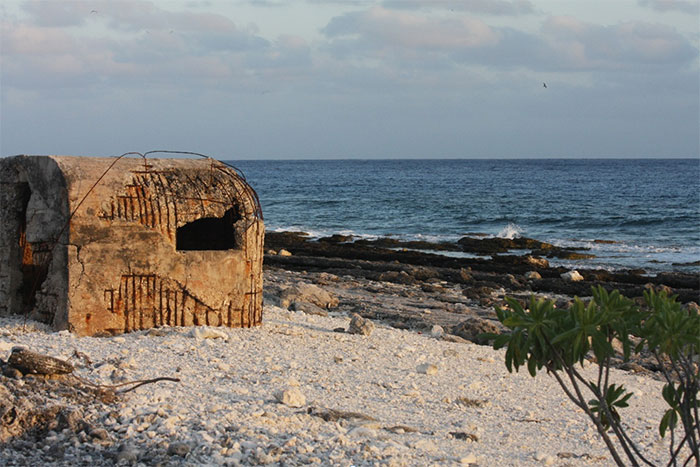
x: 510, y: 231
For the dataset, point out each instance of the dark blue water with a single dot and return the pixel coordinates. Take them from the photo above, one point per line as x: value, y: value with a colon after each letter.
x: 650, y: 208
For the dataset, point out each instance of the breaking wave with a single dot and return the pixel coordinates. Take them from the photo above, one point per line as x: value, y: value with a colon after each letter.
x: 510, y: 231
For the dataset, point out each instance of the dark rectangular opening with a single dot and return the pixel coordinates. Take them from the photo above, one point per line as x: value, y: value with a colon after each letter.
x: 208, y: 233
x: 35, y: 257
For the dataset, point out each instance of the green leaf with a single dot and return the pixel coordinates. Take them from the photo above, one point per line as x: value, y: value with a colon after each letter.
x: 509, y: 359
x: 501, y: 341
x: 623, y: 402
x: 532, y: 367
x: 601, y: 347
x: 565, y: 336
x: 669, y: 420
x: 670, y: 395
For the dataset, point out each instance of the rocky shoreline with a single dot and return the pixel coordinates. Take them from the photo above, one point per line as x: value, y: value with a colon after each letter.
x: 390, y: 260
x: 406, y: 287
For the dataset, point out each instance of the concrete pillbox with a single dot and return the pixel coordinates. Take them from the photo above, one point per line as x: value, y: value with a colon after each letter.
x: 105, y: 246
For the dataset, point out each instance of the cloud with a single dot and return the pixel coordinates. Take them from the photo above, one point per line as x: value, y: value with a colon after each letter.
x: 562, y: 44
x: 267, y: 3
x: 144, y: 44
x: 22, y: 39
x: 138, y: 43
x: 58, y: 14
x: 489, y: 7
x: 126, y: 16
x: 354, y: 3
x: 288, y: 58
x: 43, y: 58
x: 691, y: 7
x: 387, y: 28
x: 580, y: 45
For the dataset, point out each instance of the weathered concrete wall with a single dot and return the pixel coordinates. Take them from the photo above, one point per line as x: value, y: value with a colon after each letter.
x: 156, y: 242
x: 33, y: 276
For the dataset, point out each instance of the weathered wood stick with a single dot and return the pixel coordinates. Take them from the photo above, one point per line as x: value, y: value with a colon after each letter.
x: 29, y: 362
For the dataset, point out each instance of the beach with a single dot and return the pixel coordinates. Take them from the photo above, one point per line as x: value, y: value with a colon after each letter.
x: 301, y: 389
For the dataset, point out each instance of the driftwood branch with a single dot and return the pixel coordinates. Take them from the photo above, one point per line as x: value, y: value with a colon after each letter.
x: 114, y: 387
x: 28, y: 362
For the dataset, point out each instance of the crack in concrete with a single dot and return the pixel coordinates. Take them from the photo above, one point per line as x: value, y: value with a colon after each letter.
x: 80, y: 261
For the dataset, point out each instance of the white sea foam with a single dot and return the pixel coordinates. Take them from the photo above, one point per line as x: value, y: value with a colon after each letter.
x: 449, y: 254
x: 320, y: 233
x: 510, y: 231
x: 315, y: 234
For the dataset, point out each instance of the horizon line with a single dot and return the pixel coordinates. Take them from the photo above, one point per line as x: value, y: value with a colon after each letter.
x: 388, y: 158
x: 331, y: 158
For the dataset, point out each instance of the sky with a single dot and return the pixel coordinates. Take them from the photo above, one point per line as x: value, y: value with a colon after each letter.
x: 281, y: 79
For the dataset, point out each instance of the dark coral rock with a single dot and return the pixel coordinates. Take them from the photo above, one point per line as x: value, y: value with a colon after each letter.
x: 501, y: 245
x: 472, y: 329
x: 337, y: 238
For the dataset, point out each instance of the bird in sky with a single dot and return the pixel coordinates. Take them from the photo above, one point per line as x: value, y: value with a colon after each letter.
x: 544, y: 85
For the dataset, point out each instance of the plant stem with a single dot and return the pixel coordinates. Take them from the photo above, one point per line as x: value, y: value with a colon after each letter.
x: 624, y: 440
x: 580, y: 402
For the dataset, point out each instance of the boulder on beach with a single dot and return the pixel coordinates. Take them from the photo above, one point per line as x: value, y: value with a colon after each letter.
x: 309, y: 293
x: 427, y: 369
x: 472, y: 328
x: 291, y: 396
x: 398, y: 277
x: 308, y: 308
x: 537, y: 262
x: 360, y: 325
x: 178, y: 449
x: 573, y: 276
x: 479, y: 291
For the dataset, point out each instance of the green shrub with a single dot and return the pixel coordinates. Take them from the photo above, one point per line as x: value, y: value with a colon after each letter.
x: 559, y: 340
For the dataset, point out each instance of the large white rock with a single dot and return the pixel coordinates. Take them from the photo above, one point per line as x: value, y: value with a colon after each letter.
x: 310, y: 293
x: 573, y: 276
x: 427, y: 369
x: 292, y: 396
x: 201, y: 333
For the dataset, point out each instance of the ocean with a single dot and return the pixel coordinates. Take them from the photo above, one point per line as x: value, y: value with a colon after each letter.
x: 642, y: 213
